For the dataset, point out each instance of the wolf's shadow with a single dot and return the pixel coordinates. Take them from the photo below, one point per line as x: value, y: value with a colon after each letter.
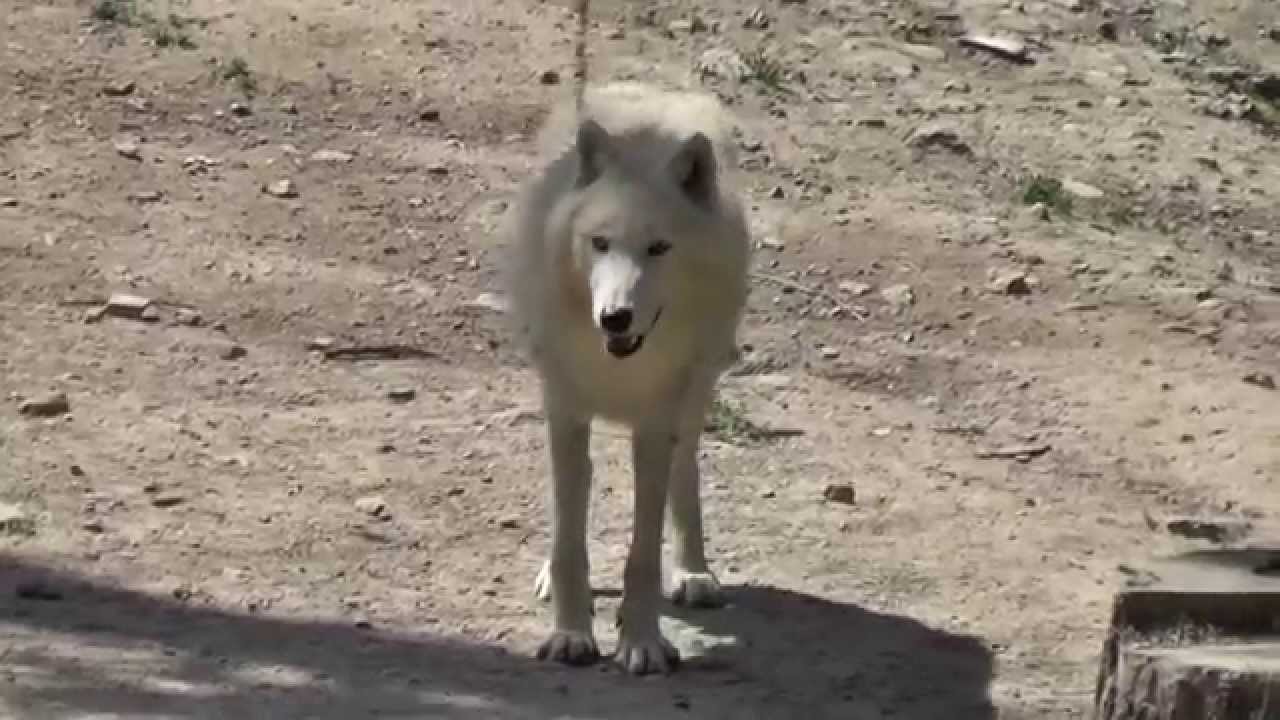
x: 820, y: 654
x: 72, y: 645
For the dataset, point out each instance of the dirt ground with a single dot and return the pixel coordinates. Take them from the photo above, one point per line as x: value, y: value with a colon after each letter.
x: 236, y: 518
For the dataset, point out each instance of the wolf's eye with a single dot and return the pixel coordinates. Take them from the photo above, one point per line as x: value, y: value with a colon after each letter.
x: 660, y: 248
x: 599, y: 243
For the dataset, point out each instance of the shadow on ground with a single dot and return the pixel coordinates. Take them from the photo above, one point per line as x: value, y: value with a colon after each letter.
x: 71, y: 645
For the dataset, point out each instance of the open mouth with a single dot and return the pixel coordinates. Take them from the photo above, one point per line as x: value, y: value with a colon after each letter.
x: 621, y: 346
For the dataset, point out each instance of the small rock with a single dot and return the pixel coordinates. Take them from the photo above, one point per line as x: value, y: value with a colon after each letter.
x: 491, y: 302
x: 119, y: 88
x: 8, y: 201
x: 1013, y: 282
x: 13, y: 521
x: 429, y: 115
x: 188, y: 317
x: 282, y: 189
x: 332, y: 156
x: 374, y: 507
x: 124, y: 305
x: 239, y: 109
x: 777, y: 193
x: 841, y: 493
x: 47, y: 406
x: 94, y: 315
x: 549, y: 77
x: 1266, y: 85
x: 927, y: 53
x: 150, y: 314
x: 321, y: 344
x: 147, y: 196
x: 438, y: 169
x: 1037, y: 212
x: 1082, y: 190
x: 94, y: 526
x: 723, y: 63
x: 829, y: 352
x: 509, y: 523
x: 856, y: 289
x: 1006, y: 47
x: 899, y: 296
x: 167, y: 499
x: 128, y: 148
x: 1225, y: 529
x: 1260, y: 379
x: 232, y: 352
x: 935, y: 135
x: 401, y: 395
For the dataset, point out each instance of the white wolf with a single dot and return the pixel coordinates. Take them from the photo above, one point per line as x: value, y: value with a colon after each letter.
x: 629, y: 279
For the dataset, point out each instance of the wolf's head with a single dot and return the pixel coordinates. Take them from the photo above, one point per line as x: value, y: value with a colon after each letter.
x: 640, y: 205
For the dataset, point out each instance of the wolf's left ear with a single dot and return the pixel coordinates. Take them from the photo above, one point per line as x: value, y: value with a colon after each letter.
x: 593, y: 145
x: 694, y: 169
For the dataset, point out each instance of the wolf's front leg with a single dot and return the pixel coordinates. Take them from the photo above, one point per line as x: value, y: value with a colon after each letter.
x: 571, y: 640
x: 641, y: 647
x: 693, y: 584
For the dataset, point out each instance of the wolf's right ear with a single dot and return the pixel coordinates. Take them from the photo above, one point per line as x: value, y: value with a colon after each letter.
x: 593, y: 146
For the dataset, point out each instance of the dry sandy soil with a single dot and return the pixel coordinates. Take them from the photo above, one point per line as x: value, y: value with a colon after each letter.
x: 230, y: 522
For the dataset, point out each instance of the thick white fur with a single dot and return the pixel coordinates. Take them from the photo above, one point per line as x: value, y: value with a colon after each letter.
x: 625, y: 187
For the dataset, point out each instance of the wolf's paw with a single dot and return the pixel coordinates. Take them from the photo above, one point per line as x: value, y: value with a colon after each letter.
x: 696, y: 590
x: 542, y: 585
x: 641, y: 654
x: 569, y: 647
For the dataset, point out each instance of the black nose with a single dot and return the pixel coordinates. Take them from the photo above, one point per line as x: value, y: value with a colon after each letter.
x: 616, y: 321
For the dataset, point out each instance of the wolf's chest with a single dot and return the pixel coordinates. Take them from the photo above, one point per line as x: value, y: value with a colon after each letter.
x: 623, y: 389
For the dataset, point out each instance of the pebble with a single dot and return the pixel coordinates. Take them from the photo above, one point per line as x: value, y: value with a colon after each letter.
x: 167, y: 499
x: 332, y: 156
x: 188, y: 317
x: 373, y: 506
x: 935, y: 135
x: 147, y: 196
x: 232, y: 352
x: 549, y: 77
x: 899, y: 296
x: 1082, y: 190
x: 1260, y: 379
x: 842, y: 493
x: 401, y: 395
x: 284, y: 188
x: 47, y: 406
x: 119, y: 88
x: 239, y: 109
x: 128, y: 148
x: 1013, y: 282
x: 1007, y: 47
x: 1225, y: 529
x: 856, y: 289
x: 8, y: 201
x: 488, y: 301
x: 13, y: 521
